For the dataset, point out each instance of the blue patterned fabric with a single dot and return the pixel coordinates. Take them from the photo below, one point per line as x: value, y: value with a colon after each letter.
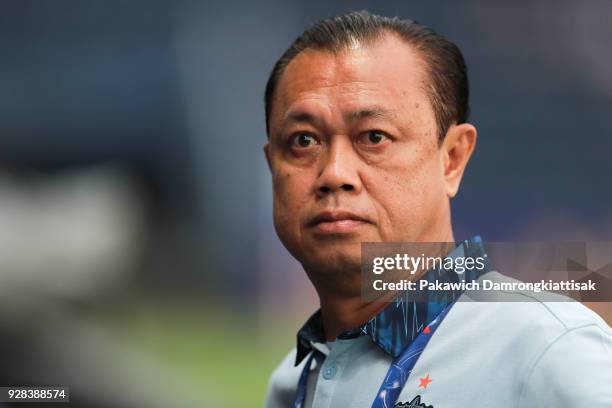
x: 397, y: 325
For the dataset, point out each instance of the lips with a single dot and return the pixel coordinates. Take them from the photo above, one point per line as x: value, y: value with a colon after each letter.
x: 337, y: 222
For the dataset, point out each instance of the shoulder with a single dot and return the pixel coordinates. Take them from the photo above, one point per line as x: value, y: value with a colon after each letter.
x: 521, y: 324
x: 574, y: 369
x: 282, y: 384
x: 527, y: 309
x: 561, y: 350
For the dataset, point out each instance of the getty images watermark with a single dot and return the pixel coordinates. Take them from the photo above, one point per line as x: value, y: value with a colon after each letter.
x: 536, y: 271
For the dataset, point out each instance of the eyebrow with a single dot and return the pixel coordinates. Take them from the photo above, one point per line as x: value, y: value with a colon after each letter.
x: 376, y: 112
x: 300, y: 117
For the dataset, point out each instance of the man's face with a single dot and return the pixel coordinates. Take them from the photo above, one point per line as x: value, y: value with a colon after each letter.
x: 354, y: 154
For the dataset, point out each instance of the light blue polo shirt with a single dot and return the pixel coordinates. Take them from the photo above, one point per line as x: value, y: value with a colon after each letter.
x: 519, y: 351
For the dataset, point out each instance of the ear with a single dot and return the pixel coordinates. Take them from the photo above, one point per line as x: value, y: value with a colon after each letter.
x: 456, y: 150
x: 266, y: 149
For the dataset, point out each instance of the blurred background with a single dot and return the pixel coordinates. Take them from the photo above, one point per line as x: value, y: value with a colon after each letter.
x: 138, y: 261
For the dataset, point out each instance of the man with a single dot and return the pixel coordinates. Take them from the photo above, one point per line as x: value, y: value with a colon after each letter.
x: 367, y: 142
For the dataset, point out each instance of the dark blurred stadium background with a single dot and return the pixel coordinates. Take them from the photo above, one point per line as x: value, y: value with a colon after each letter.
x: 138, y: 262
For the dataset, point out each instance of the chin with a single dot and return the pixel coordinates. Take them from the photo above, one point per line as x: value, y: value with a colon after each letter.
x: 337, y: 256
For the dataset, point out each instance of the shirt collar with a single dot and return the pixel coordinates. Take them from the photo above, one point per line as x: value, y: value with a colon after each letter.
x: 395, y: 326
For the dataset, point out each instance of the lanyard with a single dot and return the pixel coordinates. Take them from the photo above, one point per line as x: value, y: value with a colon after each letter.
x: 398, y: 373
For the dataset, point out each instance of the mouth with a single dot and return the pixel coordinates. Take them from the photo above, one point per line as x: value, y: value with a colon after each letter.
x: 337, y: 222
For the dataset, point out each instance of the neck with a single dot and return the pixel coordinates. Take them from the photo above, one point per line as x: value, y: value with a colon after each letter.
x: 341, y: 314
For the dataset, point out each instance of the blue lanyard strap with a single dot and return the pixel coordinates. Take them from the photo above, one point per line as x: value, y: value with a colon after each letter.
x: 398, y: 373
x: 402, y: 366
x: 300, y: 396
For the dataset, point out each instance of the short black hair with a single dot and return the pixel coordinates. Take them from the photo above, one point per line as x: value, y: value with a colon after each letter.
x: 448, y: 87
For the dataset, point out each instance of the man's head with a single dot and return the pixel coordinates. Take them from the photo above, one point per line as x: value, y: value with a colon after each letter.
x: 367, y: 138
x: 447, y: 84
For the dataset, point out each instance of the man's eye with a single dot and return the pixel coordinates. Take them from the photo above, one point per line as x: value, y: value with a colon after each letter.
x: 372, y: 137
x: 303, y: 140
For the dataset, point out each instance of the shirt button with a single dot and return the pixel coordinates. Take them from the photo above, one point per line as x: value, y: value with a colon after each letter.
x: 330, y: 372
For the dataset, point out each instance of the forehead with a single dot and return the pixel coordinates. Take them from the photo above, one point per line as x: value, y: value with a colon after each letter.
x: 387, y: 72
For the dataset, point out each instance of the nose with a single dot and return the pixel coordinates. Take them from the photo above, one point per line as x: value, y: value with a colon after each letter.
x: 339, y: 170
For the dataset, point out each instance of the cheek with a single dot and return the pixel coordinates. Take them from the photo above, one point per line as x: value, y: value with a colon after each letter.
x: 290, y: 196
x: 405, y: 195
x: 290, y: 189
